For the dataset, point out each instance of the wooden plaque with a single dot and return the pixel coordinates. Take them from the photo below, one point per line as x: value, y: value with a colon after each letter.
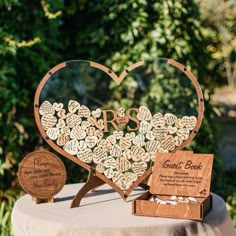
x: 182, y: 174
x: 42, y: 174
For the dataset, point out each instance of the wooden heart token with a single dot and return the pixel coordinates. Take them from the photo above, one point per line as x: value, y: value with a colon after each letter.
x: 62, y: 139
x: 100, y: 124
x: 82, y: 145
x: 65, y: 130
x: 122, y: 164
x: 83, y: 111
x: 120, y: 112
x: 125, y: 143
x: 46, y: 108
x: 110, y: 162
x: 61, y: 114
x: 100, y: 168
x: 85, y: 155
x: 109, y: 173
x: 102, y: 143
x: 77, y: 133
x: 111, y: 139
x: 130, y: 177
x: 130, y: 136
x: 146, y: 157
x: 92, y: 120
x: 121, y: 184
x: 189, y: 122
x: 99, y: 154
x: 144, y: 113
x: 179, y: 124
x: 90, y: 131
x: 73, y: 120
x: 137, y: 153
x: 183, y: 133
x: 170, y: 119
x: 160, y: 133
x: 61, y: 123
x: 150, y: 135
x: 85, y: 125
x: 107, y: 146
x: 118, y: 134
x: 122, y: 121
x: 73, y: 106
x: 116, y: 151
x: 178, y: 141
x: 57, y: 106
x: 139, y: 167
x: 98, y: 134
x: 91, y: 141
x: 139, y: 140
x: 168, y: 143
x: 48, y: 121
x: 152, y: 146
x: 71, y: 147
x: 127, y: 154
x: 53, y: 133
x: 144, y: 127
x: 158, y: 120
x: 117, y: 176
x: 172, y: 129
x: 97, y: 113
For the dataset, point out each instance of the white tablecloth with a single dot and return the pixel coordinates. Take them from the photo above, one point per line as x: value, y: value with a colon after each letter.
x: 103, y: 212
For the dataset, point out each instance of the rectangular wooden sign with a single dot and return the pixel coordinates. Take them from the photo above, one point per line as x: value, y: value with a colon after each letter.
x: 182, y: 173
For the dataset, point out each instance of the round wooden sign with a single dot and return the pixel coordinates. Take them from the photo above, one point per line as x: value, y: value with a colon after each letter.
x: 42, y: 174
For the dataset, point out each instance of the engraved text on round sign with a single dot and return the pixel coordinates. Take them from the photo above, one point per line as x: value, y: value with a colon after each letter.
x: 42, y: 174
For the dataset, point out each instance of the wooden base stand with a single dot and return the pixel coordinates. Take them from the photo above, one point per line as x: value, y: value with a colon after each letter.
x: 39, y: 200
x: 92, y: 183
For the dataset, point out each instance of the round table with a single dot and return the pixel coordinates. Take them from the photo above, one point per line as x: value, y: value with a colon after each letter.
x: 103, y: 212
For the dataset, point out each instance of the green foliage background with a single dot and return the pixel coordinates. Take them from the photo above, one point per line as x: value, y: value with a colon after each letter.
x: 37, y: 35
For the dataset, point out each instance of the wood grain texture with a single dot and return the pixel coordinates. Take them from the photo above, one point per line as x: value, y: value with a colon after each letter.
x: 93, y: 182
x: 40, y: 200
x: 182, y: 173
x: 42, y: 175
x: 109, y: 72
x: 141, y: 206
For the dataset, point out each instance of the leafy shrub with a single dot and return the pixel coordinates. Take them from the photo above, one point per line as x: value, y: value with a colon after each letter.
x: 33, y: 39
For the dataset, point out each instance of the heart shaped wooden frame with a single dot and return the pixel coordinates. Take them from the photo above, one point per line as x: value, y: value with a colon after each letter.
x: 100, y: 178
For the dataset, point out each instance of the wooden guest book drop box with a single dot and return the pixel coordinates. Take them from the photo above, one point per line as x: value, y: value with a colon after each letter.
x: 180, y: 186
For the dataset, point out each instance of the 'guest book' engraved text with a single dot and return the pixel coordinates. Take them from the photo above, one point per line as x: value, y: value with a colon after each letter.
x: 181, y: 165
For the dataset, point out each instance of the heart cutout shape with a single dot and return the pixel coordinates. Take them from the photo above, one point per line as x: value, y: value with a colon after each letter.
x: 122, y: 121
x: 120, y: 144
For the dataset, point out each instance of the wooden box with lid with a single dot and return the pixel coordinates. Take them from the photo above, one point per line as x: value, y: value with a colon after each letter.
x: 179, y: 187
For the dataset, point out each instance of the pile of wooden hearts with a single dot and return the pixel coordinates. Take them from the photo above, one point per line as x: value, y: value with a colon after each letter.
x: 121, y: 157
